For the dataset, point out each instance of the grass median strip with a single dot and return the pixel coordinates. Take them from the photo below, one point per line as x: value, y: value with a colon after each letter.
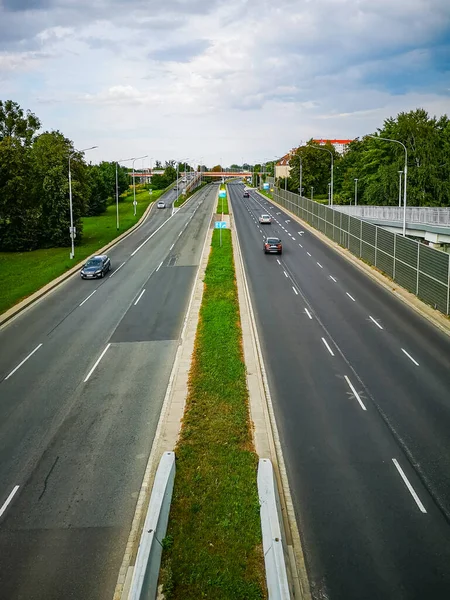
x: 222, y: 203
x: 213, y: 547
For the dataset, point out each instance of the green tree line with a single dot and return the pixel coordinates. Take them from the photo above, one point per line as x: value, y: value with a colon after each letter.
x: 376, y: 164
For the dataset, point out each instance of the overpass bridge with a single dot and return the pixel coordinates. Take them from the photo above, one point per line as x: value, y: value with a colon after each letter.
x: 429, y: 223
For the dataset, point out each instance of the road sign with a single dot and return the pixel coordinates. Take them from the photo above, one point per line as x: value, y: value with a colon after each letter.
x: 222, y: 194
x: 135, y: 203
x: 150, y: 192
x: 220, y: 225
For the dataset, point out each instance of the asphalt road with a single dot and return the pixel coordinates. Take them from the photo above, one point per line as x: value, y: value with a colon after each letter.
x: 361, y: 387
x: 76, y: 432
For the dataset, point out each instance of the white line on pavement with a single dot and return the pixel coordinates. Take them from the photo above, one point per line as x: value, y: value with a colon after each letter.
x: 409, y: 486
x: 24, y: 361
x: 8, y: 500
x: 308, y: 313
x: 140, y: 296
x: 320, y: 265
x: 150, y: 236
x: 278, y: 262
x: 355, y: 393
x: 308, y: 253
x: 327, y: 346
x: 86, y: 299
x: 171, y: 247
x: 295, y: 291
x: 285, y: 273
x: 331, y: 277
x: 115, y: 270
x: 96, y: 362
x: 159, y: 266
x: 410, y: 357
x: 376, y: 322
x: 300, y: 246
x: 351, y: 297
x: 293, y: 239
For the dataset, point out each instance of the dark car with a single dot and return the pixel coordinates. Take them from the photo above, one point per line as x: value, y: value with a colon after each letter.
x: 246, y: 195
x: 96, y: 267
x: 273, y: 245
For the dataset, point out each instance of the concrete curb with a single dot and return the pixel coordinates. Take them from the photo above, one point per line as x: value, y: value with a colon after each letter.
x: 427, y: 312
x: 274, y: 541
x: 169, y: 423
x: 26, y: 302
x: 148, y: 562
x: 265, y: 431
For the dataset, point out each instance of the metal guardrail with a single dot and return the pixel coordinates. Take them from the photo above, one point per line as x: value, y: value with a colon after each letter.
x: 414, y: 214
x: 274, y: 540
x: 422, y: 270
x: 148, y: 561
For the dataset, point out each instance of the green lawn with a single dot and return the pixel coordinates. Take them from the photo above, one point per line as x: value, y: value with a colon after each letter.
x: 41, y: 266
x: 213, y: 547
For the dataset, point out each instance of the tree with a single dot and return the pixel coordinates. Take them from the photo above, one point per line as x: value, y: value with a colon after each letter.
x: 14, y: 123
x: 316, y: 171
x: 158, y: 165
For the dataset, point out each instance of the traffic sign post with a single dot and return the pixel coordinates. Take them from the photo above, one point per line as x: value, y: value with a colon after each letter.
x: 220, y: 225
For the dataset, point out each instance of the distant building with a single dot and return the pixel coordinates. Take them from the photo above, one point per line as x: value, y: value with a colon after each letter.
x: 339, y: 145
x: 282, y: 168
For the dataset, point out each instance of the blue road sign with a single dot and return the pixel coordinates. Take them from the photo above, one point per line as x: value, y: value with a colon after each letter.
x: 220, y: 224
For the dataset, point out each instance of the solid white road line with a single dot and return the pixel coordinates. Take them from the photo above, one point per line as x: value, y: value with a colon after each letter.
x: 86, y: 299
x: 410, y: 357
x: 140, y: 296
x: 308, y: 313
x: 331, y: 277
x: 320, y: 265
x: 295, y: 291
x: 285, y: 273
x: 409, y: 486
x: 355, y: 393
x: 351, y: 297
x: 24, y: 361
x: 8, y: 500
x: 327, y: 346
x: 159, y: 266
x: 308, y: 254
x: 118, y: 268
x: 150, y: 236
x: 376, y: 322
x: 96, y: 362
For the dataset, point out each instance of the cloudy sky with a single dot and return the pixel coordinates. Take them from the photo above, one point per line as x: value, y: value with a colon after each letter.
x: 221, y: 80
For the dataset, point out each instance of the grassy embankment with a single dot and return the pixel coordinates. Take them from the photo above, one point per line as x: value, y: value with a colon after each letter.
x: 182, y: 199
x: 22, y: 273
x: 213, y: 547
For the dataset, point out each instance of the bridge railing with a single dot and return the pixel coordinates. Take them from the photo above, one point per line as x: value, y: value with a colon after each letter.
x: 414, y: 215
x: 422, y: 270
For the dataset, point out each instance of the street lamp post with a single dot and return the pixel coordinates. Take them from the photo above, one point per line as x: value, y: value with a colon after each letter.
x: 301, y: 174
x: 400, y: 173
x: 356, y: 191
x: 72, y: 230
x: 405, y: 170
x: 134, y: 182
x: 329, y: 193
x: 312, y: 192
x: 117, y: 190
x: 332, y: 167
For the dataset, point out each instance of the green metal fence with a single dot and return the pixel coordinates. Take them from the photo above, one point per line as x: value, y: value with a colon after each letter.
x: 421, y: 270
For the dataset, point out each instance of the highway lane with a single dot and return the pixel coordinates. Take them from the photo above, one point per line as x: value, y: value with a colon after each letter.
x: 76, y: 431
x: 364, y: 530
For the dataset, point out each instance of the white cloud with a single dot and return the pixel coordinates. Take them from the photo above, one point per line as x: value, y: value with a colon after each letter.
x: 223, y: 78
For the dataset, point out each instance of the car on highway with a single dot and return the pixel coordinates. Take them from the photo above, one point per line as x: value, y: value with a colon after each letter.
x: 265, y: 219
x: 96, y: 267
x: 272, y: 245
x: 246, y: 195
x: 161, y: 204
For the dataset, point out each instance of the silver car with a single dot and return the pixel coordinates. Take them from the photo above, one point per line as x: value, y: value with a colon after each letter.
x: 161, y: 204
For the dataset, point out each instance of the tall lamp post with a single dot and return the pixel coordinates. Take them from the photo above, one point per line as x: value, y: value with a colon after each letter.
x: 356, y: 191
x: 405, y: 171
x: 400, y: 173
x: 134, y: 182
x: 301, y: 174
x: 117, y: 189
x: 312, y: 192
x: 72, y: 229
x: 332, y: 166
